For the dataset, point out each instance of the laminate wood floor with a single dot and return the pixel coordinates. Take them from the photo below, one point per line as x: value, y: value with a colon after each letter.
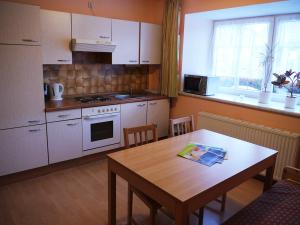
x: 78, y: 196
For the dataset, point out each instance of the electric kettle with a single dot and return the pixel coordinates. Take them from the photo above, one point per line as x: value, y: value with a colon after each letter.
x: 56, y: 92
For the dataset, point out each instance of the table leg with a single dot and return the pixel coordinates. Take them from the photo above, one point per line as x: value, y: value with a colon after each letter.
x: 111, y: 197
x: 269, y: 178
x: 181, y: 215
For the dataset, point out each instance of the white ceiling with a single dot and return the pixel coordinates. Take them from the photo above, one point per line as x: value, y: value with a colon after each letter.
x: 274, y: 8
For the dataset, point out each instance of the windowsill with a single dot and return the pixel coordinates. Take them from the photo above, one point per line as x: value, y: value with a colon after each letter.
x: 276, y: 107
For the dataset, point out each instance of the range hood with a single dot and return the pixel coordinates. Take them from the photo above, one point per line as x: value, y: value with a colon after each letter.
x: 84, y: 45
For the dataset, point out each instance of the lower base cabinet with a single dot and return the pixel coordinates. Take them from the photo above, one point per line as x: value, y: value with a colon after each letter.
x: 158, y: 113
x: 132, y: 115
x: 64, y: 140
x: 23, y: 149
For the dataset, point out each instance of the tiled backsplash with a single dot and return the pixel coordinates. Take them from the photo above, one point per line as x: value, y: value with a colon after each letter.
x: 81, y: 79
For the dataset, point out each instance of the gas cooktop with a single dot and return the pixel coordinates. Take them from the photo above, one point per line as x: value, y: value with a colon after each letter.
x: 92, y: 99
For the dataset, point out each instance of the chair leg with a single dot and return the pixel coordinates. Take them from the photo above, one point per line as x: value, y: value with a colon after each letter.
x: 153, y: 212
x: 130, y: 199
x: 223, y: 201
x: 200, y: 216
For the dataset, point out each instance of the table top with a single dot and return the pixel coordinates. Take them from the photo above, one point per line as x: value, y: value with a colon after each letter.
x: 159, y: 164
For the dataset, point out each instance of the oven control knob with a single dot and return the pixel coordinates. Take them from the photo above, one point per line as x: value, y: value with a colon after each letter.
x: 99, y: 111
x: 103, y: 110
x: 107, y: 110
x: 111, y: 109
x: 115, y: 109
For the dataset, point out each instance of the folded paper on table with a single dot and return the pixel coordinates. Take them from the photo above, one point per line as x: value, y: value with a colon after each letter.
x: 204, y: 154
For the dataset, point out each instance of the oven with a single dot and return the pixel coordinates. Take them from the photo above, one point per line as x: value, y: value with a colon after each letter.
x: 101, y: 126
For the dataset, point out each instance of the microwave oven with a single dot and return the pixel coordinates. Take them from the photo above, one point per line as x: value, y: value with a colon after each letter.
x: 200, y: 85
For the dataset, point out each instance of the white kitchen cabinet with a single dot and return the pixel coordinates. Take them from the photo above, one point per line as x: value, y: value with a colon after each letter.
x: 21, y: 86
x: 64, y: 140
x: 125, y: 34
x: 63, y: 115
x: 158, y: 113
x: 150, y: 47
x: 132, y: 115
x: 56, y: 37
x: 91, y: 27
x: 22, y: 149
x: 19, y: 23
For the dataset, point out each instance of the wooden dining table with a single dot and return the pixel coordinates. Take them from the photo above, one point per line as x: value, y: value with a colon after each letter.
x: 182, y: 185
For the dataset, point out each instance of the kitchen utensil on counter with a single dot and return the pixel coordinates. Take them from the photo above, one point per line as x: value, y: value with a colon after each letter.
x: 57, y: 90
x: 46, y: 92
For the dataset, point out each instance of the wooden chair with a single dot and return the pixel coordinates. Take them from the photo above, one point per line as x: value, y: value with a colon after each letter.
x: 140, y: 135
x: 181, y: 125
x: 185, y: 125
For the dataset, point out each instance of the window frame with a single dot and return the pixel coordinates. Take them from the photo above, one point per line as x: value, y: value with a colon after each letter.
x: 274, y: 21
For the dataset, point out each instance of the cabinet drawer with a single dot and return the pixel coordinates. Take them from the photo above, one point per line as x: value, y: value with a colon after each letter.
x: 63, y: 115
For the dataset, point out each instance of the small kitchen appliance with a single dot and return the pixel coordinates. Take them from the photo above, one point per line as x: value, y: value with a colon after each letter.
x: 200, y: 85
x: 46, y: 92
x: 56, y: 90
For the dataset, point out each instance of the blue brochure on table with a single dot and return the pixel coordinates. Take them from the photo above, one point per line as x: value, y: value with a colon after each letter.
x: 204, y: 154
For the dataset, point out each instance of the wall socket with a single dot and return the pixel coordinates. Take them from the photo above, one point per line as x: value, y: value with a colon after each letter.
x: 91, y: 4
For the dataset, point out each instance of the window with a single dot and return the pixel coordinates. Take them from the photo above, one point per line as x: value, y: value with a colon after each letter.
x: 287, y: 46
x: 239, y: 48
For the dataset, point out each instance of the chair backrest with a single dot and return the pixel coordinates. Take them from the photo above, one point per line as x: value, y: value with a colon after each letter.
x: 181, y: 125
x: 140, y: 135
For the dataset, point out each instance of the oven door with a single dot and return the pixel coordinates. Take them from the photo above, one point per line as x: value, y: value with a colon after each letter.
x: 101, y: 130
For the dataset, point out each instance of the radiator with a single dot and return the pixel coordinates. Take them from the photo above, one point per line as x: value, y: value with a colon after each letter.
x: 286, y: 143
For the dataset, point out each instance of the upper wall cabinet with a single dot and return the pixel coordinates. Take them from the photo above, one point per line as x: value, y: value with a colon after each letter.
x: 91, y: 27
x: 125, y: 34
x: 150, y: 48
x: 19, y: 24
x: 56, y: 37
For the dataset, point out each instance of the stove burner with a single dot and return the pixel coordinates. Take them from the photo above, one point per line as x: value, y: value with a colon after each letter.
x: 95, y: 98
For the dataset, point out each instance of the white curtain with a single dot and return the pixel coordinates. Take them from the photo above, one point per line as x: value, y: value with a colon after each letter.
x: 287, y: 44
x: 238, y: 49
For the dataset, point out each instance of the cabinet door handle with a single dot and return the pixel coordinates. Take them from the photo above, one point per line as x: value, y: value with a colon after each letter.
x: 103, y: 37
x: 34, y: 130
x: 141, y: 105
x: 29, y: 40
x: 71, y: 124
x: 63, y: 116
x: 132, y: 61
x: 153, y: 103
x: 33, y: 121
x: 63, y: 60
x: 145, y: 61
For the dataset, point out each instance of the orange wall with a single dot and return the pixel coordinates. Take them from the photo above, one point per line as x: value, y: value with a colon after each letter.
x: 139, y: 10
x: 184, y: 105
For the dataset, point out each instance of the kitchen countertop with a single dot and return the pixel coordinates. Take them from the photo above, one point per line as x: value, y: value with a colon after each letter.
x: 71, y: 103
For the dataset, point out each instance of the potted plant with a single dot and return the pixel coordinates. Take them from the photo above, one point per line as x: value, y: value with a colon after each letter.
x: 264, y: 95
x: 290, y: 84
